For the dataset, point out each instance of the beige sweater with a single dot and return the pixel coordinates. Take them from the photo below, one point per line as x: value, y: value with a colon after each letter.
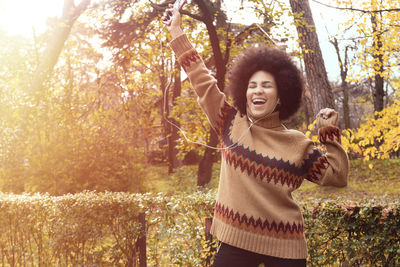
x: 254, y: 209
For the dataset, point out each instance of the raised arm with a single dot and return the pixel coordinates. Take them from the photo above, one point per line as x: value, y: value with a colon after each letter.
x: 210, y: 98
x: 330, y: 168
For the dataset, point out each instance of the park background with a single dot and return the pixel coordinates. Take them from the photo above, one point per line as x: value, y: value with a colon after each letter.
x: 87, y: 88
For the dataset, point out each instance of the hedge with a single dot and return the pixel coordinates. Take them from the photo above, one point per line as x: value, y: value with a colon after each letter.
x: 101, y: 229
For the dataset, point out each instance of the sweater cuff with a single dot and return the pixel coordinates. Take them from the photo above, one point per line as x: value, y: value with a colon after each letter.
x: 180, y: 45
x: 329, y: 133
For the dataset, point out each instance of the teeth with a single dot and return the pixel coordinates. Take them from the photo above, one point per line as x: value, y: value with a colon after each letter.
x: 259, y: 101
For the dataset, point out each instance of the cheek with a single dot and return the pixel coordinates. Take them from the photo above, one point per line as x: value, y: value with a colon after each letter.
x: 272, y: 95
x: 248, y: 96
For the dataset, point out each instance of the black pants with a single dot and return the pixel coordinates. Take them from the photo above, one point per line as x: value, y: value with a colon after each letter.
x: 229, y: 256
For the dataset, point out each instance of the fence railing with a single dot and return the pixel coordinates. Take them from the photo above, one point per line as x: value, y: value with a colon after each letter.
x: 141, y: 241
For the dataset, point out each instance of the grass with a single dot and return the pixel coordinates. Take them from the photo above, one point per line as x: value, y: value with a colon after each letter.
x: 184, y: 179
x: 382, y: 181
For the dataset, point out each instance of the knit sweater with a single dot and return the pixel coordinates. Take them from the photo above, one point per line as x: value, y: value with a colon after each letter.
x: 263, y: 165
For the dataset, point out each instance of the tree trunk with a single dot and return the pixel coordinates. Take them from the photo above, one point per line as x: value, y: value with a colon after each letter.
x: 46, y: 65
x: 346, y: 108
x: 317, y: 78
x: 55, y: 46
x: 204, y: 172
x: 379, y: 93
x: 205, y: 166
x: 173, y: 161
x: 343, y: 75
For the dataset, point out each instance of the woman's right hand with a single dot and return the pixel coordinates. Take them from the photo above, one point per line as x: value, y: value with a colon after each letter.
x: 175, y: 26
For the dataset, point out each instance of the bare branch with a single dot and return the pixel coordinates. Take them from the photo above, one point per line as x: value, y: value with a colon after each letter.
x: 161, y: 7
x: 193, y: 16
x: 358, y: 10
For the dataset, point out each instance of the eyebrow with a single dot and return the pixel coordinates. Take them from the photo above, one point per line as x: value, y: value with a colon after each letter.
x: 263, y: 83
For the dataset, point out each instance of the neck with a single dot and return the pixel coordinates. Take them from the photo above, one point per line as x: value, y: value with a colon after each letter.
x: 268, y: 121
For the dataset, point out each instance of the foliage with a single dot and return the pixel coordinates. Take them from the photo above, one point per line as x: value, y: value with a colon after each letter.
x: 17, y: 65
x: 102, y: 228
x: 353, y: 234
x: 378, y: 37
x: 85, y: 129
x: 378, y: 137
x: 195, y: 126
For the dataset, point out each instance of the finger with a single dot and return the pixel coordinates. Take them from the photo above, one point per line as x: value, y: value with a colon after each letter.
x: 326, y: 111
x: 175, y: 18
x: 167, y: 15
x: 329, y: 112
x: 322, y: 114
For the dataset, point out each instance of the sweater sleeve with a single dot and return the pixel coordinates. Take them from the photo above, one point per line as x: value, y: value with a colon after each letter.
x: 210, y: 98
x: 330, y: 168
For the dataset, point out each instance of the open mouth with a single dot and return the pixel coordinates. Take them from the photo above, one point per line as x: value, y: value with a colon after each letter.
x: 259, y: 101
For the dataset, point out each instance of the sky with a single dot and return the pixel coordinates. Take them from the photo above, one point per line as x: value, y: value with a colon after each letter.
x: 21, y: 17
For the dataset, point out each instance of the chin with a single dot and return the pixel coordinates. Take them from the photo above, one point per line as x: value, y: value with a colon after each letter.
x: 260, y: 113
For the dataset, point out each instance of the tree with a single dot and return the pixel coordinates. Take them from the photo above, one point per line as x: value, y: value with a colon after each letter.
x: 205, y: 166
x: 375, y: 24
x: 16, y: 56
x: 173, y: 136
x: 70, y: 14
x: 207, y: 10
x: 317, y: 78
x: 138, y: 47
x: 89, y: 129
x: 344, y: 68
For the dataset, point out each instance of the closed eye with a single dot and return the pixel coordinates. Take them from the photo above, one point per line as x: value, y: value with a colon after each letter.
x: 266, y: 84
x: 252, y: 84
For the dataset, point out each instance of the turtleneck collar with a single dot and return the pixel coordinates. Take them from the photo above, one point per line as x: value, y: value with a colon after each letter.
x: 270, y: 121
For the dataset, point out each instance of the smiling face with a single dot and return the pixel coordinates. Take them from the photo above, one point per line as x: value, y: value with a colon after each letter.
x: 261, y: 95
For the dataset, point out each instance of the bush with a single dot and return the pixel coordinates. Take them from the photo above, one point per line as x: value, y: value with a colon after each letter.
x: 350, y: 234
x: 101, y: 229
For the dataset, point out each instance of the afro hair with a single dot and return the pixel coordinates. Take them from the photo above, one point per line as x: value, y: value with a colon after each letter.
x: 287, y: 77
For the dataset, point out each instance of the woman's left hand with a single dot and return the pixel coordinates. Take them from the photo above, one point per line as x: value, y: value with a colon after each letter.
x: 327, y: 117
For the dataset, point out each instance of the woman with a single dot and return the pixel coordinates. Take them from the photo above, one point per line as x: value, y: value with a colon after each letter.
x: 255, y: 218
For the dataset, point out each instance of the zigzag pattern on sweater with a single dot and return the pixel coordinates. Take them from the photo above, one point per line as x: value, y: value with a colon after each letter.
x: 329, y: 132
x: 188, y: 58
x: 257, y: 225
x: 314, y: 165
x: 263, y: 167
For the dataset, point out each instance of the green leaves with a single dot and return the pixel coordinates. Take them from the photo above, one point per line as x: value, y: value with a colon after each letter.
x: 353, y: 234
x: 102, y: 228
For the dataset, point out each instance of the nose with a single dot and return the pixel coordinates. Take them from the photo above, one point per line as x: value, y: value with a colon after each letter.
x: 257, y: 90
